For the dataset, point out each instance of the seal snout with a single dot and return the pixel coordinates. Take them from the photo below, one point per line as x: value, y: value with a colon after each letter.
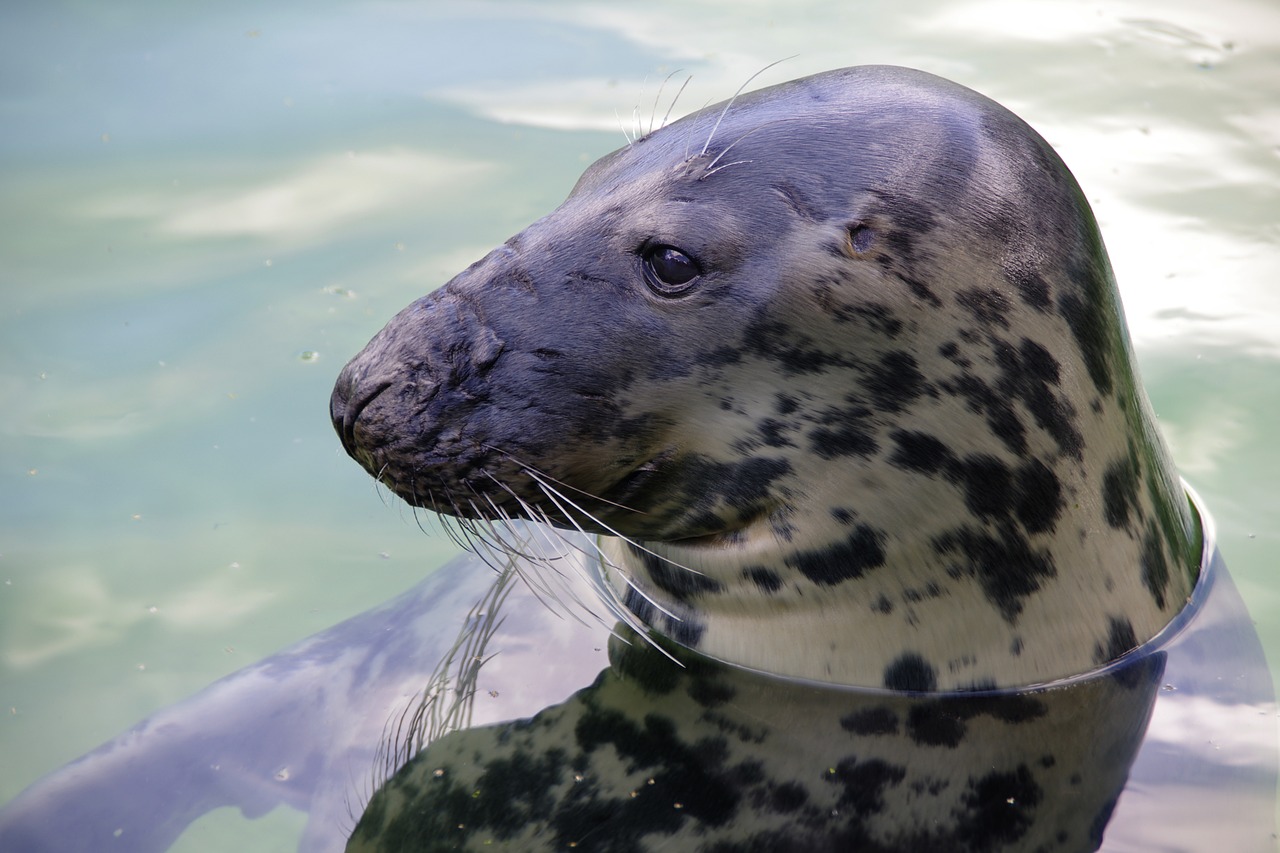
x: 351, y: 397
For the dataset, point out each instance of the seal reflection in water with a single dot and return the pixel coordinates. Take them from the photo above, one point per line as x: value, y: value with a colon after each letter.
x: 837, y: 372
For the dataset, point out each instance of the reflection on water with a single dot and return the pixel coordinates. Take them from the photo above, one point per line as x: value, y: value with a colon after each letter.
x: 686, y: 754
x: 182, y: 218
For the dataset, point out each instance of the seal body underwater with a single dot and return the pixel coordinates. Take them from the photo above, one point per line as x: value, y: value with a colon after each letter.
x: 838, y: 374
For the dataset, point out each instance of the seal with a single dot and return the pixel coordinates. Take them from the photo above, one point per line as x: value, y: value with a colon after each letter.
x: 839, y: 373
x: 854, y: 400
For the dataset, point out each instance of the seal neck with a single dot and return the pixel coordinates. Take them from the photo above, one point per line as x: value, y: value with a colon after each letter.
x: 911, y: 622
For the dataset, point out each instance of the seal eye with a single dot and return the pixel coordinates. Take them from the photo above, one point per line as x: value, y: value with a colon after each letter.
x: 669, y: 271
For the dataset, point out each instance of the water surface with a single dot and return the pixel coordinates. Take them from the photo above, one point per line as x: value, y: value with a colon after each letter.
x: 205, y: 213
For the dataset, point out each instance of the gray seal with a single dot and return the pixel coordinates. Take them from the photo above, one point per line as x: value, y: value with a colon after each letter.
x: 839, y: 372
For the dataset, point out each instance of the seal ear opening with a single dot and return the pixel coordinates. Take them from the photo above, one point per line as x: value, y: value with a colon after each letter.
x: 859, y: 239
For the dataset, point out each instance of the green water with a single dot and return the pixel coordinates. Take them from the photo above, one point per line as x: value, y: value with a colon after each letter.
x: 204, y: 214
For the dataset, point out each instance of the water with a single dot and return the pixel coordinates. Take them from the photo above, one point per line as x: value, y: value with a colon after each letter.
x: 205, y: 213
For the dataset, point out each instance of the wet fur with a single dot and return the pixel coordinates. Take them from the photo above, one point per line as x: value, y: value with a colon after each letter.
x: 892, y: 436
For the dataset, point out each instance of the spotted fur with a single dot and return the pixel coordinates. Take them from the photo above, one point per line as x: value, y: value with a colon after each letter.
x: 709, y: 758
x: 888, y: 432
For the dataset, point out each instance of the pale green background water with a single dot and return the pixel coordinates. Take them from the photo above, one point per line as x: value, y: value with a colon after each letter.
x: 204, y: 214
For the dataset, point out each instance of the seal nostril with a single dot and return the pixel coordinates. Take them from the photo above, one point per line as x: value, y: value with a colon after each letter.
x: 346, y: 405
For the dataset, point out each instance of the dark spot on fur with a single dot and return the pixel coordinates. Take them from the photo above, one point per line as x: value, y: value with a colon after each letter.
x: 1033, y: 289
x: 1029, y: 373
x: 1090, y: 315
x: 871, y: 721
x: 1007, y: 567
x: 786, y: 405
x: 843, y: 432
x: 774, y: 433
x: 864, y: 784
x: 882, y: 605
x: 1155, y: 566
x: 1120, y: 491
x: 1032, y: 492
x: 999, y: 809
x: 678, y: 582
x: 921, y: 291
x: 793, y: 351
x: 743, y: 487
x: 1120, y: 639
x: 720, y: 357
x: 1001, y: 418
x: 877, y: 317
x: 895, y: 382
x: 988, y: 307
x: 693, y: 775
x: 935, y: 724
x: 861, y: 551
x: 710, y: 692
x: 918, y: 451
x: 1039, y: 363
x: 1038, y: 496
x: 779, y: 798
x: 910, y: 673
x: 766, y: 580
x: 686, y: 630
x: 944, y: 722
x: 987, y: 485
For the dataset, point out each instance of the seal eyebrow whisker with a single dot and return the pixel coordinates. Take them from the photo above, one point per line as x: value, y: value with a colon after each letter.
x: 692, y: 127
x: 725, y: 111
x: 670, y: 106
x: 711, y: 167
x: 711, y: 172
x: 622, y: 127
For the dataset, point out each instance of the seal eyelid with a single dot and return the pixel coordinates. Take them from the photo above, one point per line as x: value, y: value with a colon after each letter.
x: 667, y: 270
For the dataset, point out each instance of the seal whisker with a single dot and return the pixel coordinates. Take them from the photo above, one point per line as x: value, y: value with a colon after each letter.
x: 631, y: 584
x: 725, y: 111
x: 658, y: 97
x: 711, y: 172
x: 622, y: 127
x: 558, y: 482
x: 730, y: 146
x: 496, y: 542
x: 688, y: 137
x: 633, y: 543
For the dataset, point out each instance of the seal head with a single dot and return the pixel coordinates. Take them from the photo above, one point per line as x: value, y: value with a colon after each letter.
x: 839, y: 371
